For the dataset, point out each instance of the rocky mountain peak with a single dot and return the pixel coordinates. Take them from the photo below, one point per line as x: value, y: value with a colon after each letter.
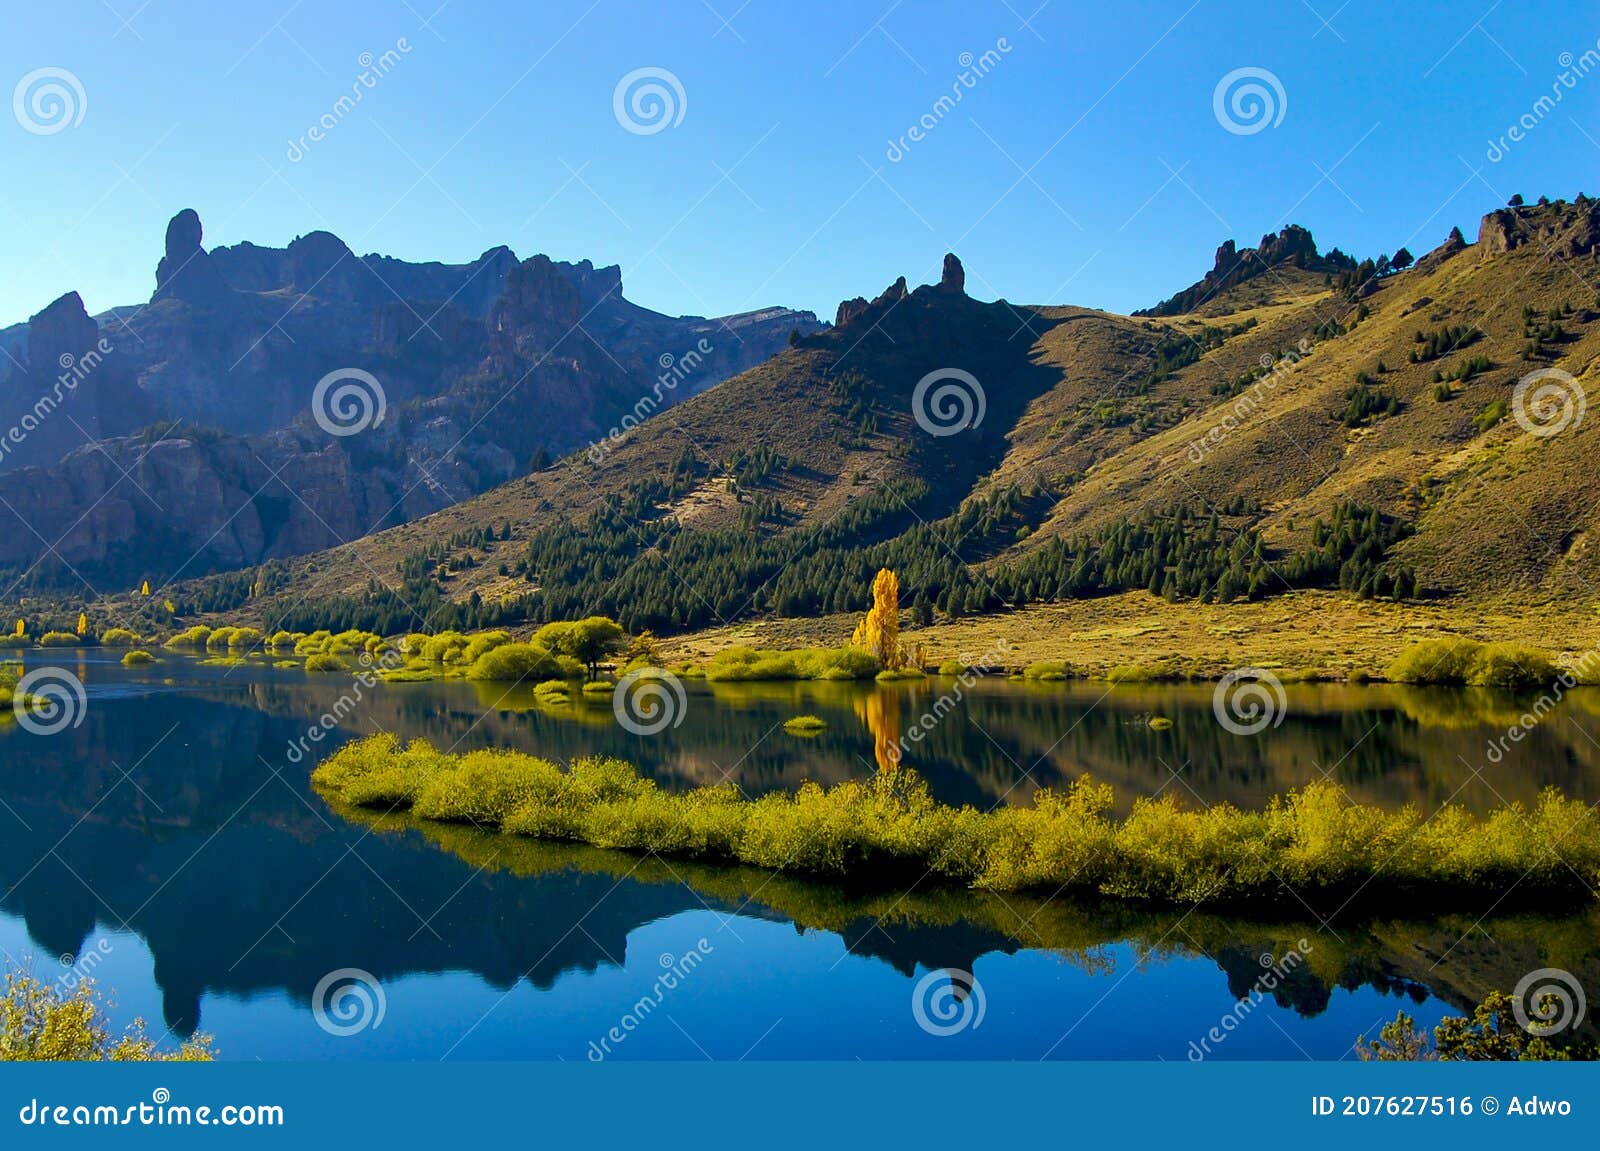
x: 954, y: 277
x: 185, y: 271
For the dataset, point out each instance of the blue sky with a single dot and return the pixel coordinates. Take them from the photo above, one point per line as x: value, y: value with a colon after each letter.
x: 1086, y: 165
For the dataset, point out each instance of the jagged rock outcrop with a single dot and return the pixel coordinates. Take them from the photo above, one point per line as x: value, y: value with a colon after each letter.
x: 1562, y: 230
x: 1233, y: 265
x: 954, y: 277
x: 852, y: 310
x: 74, y: 385
x: 186, y: 271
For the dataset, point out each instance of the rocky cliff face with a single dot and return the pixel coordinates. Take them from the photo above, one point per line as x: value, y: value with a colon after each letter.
x: 482, y: 366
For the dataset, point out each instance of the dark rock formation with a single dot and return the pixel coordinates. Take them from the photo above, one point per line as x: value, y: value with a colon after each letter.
x: 1233, y: 265
x: 954, y: 276
x: 186, y: 271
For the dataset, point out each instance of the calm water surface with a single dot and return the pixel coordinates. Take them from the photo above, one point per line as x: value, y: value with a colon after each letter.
x: 171, y: 845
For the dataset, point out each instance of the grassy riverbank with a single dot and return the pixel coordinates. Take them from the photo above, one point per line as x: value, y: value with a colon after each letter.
x: 890, y: 829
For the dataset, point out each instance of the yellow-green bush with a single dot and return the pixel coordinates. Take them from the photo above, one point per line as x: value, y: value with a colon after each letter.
x: 739, y: 664
x: 118, y: 637
x: 190, y: 638
x: 137, y: 658
x: 515, y: 663
x: 890, y: 825
x: 314, y: 644
x: 42, y: 1022
x: 323, y: 661
x: 1465, y: 662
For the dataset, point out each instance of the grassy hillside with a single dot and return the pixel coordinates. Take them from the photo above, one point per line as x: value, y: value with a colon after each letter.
x: 1313, y: 425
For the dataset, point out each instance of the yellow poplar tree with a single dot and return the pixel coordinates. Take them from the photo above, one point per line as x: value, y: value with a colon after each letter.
x: 83, y: 623
x: 144, y: 589
x: 22, y: 628
x: 879, y: 629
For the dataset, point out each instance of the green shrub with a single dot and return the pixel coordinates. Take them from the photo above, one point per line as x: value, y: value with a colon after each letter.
x: 314, y: 644
x: 1513, y: 667
x: 1437, y: 661
x: 480, y: 644
x: 325, y: 662
x: 1047, y: 671
x: 805, y: 725
x: 889, y: 826
x: 515, y: 663
x: 118, y: 637
x: 137, y: 659
x: 446, y: 647
x: 60, y: 639
x: 1465, y: 662
x: 42, y: 1022
x: 189, y: 638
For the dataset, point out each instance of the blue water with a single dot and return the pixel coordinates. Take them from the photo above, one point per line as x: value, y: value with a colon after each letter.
x: 166, y: 847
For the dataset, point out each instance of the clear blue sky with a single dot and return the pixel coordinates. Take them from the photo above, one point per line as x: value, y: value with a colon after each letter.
x: 1086, y: 166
